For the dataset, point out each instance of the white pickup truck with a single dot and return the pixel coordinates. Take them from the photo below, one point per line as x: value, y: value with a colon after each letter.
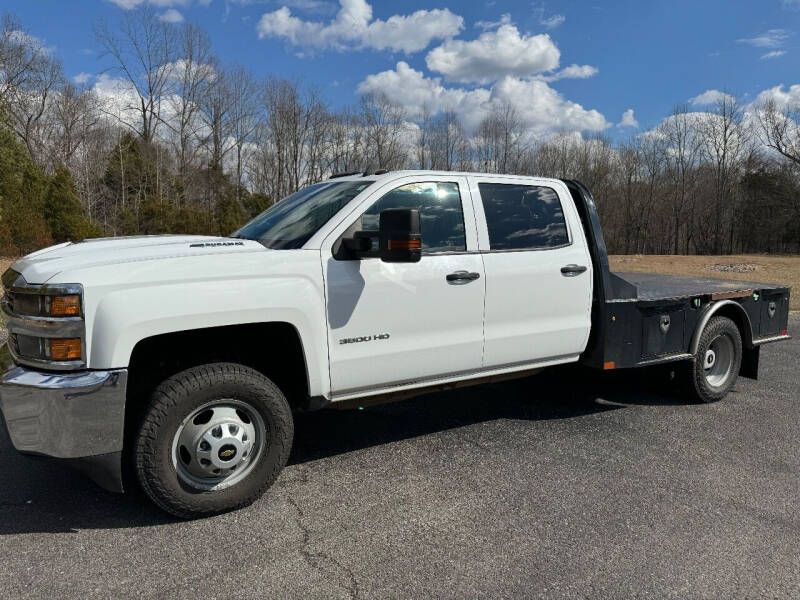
x: 184, y: 357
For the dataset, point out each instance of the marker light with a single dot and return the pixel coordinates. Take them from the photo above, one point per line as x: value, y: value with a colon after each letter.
x: 64, y: 306
x: 65, y: 349
x: 413, y: 244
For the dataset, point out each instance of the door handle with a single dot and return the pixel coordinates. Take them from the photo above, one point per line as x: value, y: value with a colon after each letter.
x: 463, y: 276
x: 572, y: 270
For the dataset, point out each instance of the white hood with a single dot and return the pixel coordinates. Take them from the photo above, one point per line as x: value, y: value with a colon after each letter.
x: 44, y: 264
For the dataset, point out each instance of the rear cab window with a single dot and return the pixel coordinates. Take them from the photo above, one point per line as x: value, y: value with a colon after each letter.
x: 523, y: 217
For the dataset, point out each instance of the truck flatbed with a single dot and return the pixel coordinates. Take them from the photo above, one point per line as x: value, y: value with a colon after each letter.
x: 642, y: 319
x: 654, y: 287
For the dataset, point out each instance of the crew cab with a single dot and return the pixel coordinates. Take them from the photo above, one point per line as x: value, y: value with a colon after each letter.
x: 182, y: 359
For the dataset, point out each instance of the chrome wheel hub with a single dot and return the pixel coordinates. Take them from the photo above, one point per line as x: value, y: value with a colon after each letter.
x: 711, y: 358
x: 218, y: 444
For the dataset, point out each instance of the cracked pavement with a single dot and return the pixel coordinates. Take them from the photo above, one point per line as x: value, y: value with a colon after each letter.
x: 565, y: 484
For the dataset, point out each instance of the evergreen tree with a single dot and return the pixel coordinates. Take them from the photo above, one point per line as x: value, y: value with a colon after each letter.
x: 63, y: 211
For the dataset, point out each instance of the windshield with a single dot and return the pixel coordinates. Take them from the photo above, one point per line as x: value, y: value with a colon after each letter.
x: 291, y: 222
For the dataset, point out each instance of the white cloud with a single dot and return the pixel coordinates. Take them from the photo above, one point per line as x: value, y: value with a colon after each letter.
x: 130, y: 4
x: 81, y: 78
x: 538, y: 105
x: 23, y: 38
x: 782, y: 98
x: 553, y: 22
x: 710, y: 97
x: 171, y: 16
x: 354, y: 28
x: 505, y: 19
x: 773, y: 38
x: 311, y: 6
x: 494, y: 55
x: 572, y: 72
x: 773, y: 54
x: 628, y: 119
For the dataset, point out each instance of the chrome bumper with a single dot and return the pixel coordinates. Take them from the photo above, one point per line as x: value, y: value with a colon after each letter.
x: 78, y: 415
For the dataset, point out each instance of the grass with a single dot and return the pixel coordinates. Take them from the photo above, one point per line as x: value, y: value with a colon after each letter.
x: 760, y: 268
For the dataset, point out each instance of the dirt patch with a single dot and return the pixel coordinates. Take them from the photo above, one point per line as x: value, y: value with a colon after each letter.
x: 784, y: 270
x: 733, y: 268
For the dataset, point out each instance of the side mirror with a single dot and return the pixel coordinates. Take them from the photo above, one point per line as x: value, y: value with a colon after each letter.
x: 400, y: 236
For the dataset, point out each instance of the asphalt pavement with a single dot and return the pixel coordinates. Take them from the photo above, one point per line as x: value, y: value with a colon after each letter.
x: 559, y: 485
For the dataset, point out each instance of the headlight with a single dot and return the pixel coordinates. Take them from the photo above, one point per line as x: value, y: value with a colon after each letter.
x: 45, y: 323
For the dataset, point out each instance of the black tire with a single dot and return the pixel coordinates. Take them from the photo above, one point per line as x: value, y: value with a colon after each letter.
x: 708, y: 380
x: 175, y: 400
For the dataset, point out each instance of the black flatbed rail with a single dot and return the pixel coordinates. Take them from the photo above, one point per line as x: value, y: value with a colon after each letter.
x: 643, y: 319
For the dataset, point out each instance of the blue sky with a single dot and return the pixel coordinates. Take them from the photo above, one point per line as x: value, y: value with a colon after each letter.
x: 629, y: 54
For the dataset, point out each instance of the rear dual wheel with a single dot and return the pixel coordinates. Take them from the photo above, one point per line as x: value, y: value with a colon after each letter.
x: 715, y: 368
x: 213, y: 439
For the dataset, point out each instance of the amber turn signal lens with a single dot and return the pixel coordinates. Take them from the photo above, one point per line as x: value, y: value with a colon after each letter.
x: 65, y: 306
x: 405, y: 244
x: 65, y: 349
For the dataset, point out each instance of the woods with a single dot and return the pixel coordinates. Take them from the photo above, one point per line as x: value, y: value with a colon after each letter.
x: 170, y: 139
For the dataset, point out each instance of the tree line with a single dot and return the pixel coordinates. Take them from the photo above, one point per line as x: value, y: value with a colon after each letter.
x: 172, y: 140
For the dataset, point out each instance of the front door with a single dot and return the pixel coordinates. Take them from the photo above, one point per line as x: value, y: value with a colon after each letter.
x: 394, y: 324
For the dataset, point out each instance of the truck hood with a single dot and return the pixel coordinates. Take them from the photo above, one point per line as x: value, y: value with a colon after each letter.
x: 42, y: 265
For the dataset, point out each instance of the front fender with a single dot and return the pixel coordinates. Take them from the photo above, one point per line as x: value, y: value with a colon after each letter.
x: 164, y: 297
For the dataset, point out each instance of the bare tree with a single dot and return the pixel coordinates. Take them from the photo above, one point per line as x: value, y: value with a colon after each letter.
x: 244, y: 115
x: 384, y: 127
x: 724, y: 141
x: 780, y: 128
x: 683, y: 153
x: 143, y: 50
x: 187, y: 80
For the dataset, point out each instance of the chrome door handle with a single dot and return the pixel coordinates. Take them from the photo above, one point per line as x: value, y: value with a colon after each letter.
x: 463, y: 276
x: 572, y: 270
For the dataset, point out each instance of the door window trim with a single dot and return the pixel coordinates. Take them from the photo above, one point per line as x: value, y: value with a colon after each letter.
x: 567, y: 209
x: 471, y: 234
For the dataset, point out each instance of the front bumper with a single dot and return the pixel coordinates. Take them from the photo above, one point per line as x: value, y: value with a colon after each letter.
x: 79, y: 416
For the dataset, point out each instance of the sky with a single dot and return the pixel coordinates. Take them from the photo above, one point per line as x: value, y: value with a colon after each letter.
x: 617, y: 68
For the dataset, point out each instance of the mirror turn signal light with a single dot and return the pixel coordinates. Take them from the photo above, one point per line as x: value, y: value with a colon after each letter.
x: 65, y: 306
x: 412, y: 244
x: 64, y: 349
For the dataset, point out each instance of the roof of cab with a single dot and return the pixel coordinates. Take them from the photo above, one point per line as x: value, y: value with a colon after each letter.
x: 422, y: 172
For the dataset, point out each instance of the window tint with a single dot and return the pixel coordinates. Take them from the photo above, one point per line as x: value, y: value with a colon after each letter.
x: 440, y: 212
x: 521, y: 217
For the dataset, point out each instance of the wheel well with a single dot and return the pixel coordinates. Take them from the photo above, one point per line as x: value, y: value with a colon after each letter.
x: 738, y: 315
x: 274, y: 349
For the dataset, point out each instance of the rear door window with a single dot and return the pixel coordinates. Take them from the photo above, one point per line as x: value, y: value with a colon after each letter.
x: 523, y: 217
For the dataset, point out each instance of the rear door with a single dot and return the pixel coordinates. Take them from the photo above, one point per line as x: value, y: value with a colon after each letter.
x: 395, y: 324
x: 538, y: 271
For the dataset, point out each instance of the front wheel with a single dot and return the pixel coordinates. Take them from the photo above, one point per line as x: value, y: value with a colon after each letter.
x: 715, y: 368
x: 213, y: 439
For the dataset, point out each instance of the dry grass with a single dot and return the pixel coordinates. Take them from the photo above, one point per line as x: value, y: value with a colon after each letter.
x: 745, y: 267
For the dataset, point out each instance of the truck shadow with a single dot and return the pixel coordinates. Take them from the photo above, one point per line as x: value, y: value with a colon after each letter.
x: 41, y: 496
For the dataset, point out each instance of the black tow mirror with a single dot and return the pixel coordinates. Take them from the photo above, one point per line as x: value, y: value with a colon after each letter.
x: 399, y: 238
x: 400, y: 235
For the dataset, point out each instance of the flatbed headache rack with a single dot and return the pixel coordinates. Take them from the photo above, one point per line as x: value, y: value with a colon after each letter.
x: 642, y: 319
